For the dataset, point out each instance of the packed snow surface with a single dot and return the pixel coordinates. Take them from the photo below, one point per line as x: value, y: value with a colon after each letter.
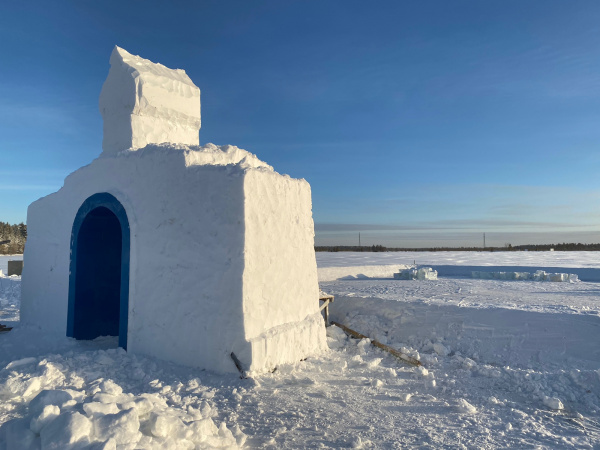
x: 505, y: 365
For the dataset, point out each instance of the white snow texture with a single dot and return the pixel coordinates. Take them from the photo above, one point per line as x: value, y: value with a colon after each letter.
x: 146, y: 103
x: 505, y: 365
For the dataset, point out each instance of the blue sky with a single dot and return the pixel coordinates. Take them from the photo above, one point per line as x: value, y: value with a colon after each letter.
x: 416, y: 123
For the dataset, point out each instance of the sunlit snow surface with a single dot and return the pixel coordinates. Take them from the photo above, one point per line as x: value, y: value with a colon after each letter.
x: 506, y: 364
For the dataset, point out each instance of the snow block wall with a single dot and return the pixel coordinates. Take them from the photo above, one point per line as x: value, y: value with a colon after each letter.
x: 143, y: 103
x: 221, y: 254
x: 280, y: 281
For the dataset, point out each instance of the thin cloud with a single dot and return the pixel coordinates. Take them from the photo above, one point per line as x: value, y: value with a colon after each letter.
x: 43, y: 116
x: 28, y: 187
x: 447, y: 225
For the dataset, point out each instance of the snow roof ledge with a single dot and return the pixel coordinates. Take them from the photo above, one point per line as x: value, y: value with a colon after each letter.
x: 206, y: 155
x: 147, y: 103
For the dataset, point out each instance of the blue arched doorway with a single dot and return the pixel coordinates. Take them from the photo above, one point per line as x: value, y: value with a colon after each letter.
x: 99, y: 270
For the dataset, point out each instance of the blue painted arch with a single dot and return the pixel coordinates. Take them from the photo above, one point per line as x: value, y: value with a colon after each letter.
x: 99, y: 270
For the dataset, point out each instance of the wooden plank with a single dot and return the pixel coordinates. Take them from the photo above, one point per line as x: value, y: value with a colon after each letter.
x: 402, y: 356
x: 324, y: 305
x: 238, y: 364
x: 327, y: 299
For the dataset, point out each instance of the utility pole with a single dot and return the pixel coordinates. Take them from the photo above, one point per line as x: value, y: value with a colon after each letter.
x: 359, y: 239
x: 483, y: 240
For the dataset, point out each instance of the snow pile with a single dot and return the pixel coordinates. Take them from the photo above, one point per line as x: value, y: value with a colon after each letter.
x: 358, y: 272
x: 553, y: 403
x: 494, y: 360
x: 539, y: 275
x: 142, y: 103
x: 422, y: 273
x: 70, y: 402
x: 465, y: 407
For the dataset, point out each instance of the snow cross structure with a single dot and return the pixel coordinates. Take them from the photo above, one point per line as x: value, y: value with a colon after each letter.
x: 187, y: 253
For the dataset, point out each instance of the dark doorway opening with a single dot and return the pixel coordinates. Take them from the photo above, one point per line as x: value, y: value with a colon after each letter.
x: 99, y: 279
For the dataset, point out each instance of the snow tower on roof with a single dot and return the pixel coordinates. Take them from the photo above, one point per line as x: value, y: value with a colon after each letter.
x: 186, y: 253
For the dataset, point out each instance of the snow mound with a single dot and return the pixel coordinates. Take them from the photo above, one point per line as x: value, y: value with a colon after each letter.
x: 358, y: 272
x: 553, y: 403
x: 64, y: 410
x: 465, y: 407
x: 423, y: 273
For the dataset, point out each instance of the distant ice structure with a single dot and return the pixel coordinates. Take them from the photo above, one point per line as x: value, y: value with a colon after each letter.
x: 146, y: 103
x: 539, y: 275
x: 423, y: 273
x: 187, y: 253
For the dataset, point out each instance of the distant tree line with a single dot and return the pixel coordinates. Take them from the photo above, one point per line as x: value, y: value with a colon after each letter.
x: 16, y: 234
x: 564, y: 247
x: 352, y: 248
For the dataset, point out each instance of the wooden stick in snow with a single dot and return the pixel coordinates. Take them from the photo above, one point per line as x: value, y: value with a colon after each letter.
x: 238, y: 364
x: 404, y: 357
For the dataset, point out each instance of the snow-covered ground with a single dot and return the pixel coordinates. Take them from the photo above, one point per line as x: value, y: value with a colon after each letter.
x: 505, y: 364
x: 586, y: 265
x: 533, y: 259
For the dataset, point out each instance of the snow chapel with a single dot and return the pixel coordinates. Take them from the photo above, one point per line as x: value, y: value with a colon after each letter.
x: 186, y: 253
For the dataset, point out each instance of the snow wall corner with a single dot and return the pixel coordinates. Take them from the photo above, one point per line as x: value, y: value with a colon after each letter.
x: 281, y: 292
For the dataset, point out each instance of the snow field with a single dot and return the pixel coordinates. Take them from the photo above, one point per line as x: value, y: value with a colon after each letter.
x: 530, y: 259
x: 338, y: 265
x: 355, y: 396
x: 505, y: 365
x: 526, y: 352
